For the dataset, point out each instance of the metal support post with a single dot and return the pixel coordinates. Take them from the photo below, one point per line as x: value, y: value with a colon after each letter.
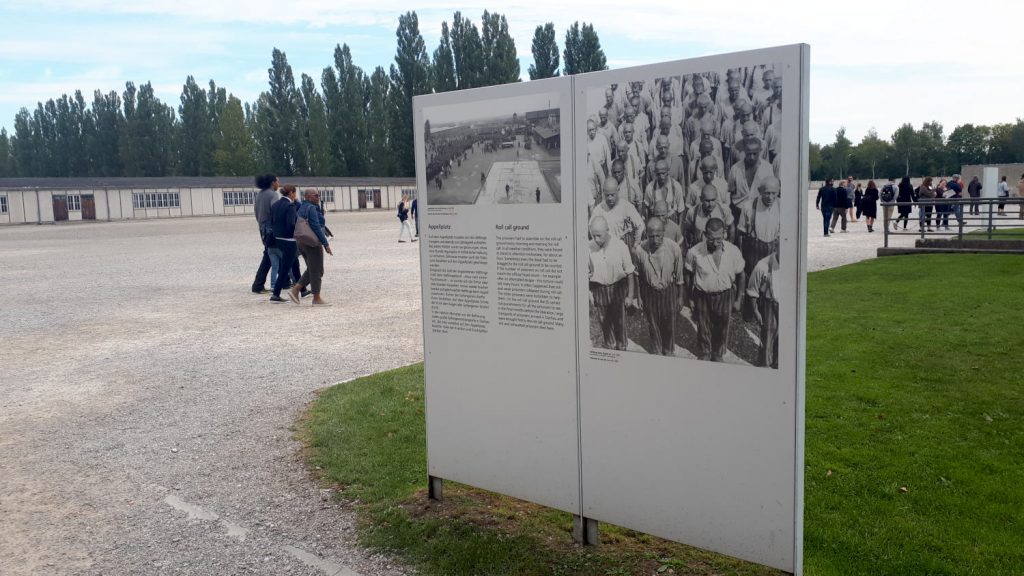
x: 435, y: 488
x: 585, y: 531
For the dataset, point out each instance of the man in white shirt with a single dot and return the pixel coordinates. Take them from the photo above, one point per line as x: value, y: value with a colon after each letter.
x: 622, y: 218
x: 746, y: 177
x: 612, y: 283
x: 714, y: 274
x: 663, y: 187
x: 759, y: 223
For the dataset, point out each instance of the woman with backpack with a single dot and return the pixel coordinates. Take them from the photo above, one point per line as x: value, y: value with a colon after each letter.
x: 869, y: 205
x: 905, y: 198
x: 887, y: 195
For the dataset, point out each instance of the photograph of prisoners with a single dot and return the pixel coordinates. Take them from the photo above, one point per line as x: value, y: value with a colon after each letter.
x: 683, y: 191
x: 499, y: 151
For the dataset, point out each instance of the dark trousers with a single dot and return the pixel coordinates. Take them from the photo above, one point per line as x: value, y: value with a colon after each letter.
x: 924, y: 215
x: 288, y: 259
x: 660, y: 308
x: 837, y: 214
x: 260, y: 282
x: 610, y: 305
x: 974, y: 205
x: 713, y: 313
x: 314, y: 258
x: 826, y: 214
x: 768, y: 355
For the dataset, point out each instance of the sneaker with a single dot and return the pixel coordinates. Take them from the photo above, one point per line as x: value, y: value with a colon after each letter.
x: 260, y: 290
x: 276, y: 298
x: 844, y: 231
x: 415, y: 239
x: 401, y: 240
x: 293, y: 294
x: 321, y: 303
x: 304, y: 293
x: 832, y: 230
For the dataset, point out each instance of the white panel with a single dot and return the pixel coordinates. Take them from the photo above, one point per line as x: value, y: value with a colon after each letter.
x: 45, y: 206
x: 990, y: 182
x: 706, y: 453
x: 501, y: 406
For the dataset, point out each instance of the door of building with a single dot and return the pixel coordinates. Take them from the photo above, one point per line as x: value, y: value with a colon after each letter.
x: 376, y: 199
x: 60, y: 207
x: 362, y: 199
x: 88, y: 207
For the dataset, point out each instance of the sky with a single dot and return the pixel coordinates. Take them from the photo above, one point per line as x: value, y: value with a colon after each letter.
x: 874, y: 64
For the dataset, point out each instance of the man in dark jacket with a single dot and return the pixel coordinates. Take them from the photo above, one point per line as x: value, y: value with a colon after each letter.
x: 843, y: 204
x: 267, y: 183
x: 974, y: 191
x: 826, y: 202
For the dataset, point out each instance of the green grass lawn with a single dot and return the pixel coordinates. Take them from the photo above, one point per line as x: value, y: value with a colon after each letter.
x: 915, y: 444
x: 1001, y: 233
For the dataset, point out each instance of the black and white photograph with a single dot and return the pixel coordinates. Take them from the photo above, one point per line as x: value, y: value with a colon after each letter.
x: 683, y: 193
x: 499, y: 151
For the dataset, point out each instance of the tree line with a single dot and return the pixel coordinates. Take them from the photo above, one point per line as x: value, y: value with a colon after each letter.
x: 346, y: 123
x: 926, y: 151
x: 354, y: 123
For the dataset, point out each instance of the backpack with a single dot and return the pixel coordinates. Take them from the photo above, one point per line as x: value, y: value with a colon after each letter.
x: 888, y: 193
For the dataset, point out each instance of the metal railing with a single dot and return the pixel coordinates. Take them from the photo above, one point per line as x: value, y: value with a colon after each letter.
x: 969, y: 214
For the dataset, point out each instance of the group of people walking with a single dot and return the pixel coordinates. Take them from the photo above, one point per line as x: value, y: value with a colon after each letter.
x: 849, y: 201
x: 838, y: 201
x: 288, y: 228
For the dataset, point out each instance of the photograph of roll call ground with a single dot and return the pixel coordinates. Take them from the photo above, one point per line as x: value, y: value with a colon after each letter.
x: 683, y: 192
x: 162, y: 420
x: 504, y: 153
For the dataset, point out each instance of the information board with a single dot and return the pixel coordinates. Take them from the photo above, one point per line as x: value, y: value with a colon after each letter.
x: 613, y: 295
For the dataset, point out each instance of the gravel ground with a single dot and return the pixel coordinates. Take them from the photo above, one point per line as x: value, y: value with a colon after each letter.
x: 147, y: 395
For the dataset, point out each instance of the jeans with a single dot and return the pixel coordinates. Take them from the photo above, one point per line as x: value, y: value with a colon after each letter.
x: 836, y: 215
x: 404, y: 228
x: 924, y: 215
x: 826, y: 214
x: 289, y: 253
x: 275, y: 261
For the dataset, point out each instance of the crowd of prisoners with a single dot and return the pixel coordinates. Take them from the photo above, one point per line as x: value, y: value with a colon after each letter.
x: 675, y: 135
x: 683, y: 188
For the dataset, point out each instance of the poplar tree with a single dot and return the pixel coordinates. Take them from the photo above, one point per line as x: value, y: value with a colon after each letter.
x: 352, y: 123
x: 315, y: 136
x: 409, y: 76
x: 501, y: 64
x: 109, y: 126
x: 380, y: 161
x: 196, y: 128
x: 545, y: 53
x: 583, y: 51
x: 6, y: 160
x: 467, y: 51
x: 234, y: 150
x: 280, y: 118
x: 442, y: 71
